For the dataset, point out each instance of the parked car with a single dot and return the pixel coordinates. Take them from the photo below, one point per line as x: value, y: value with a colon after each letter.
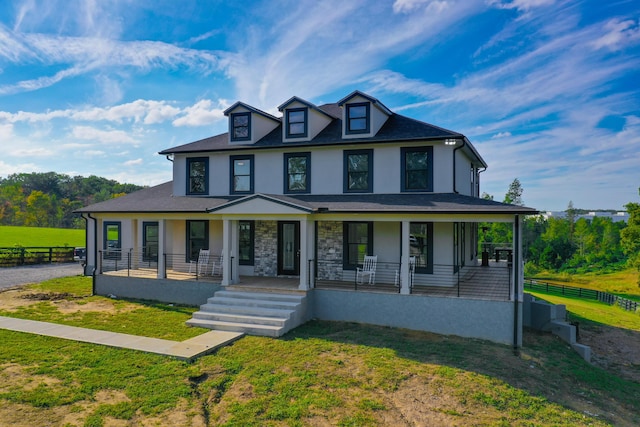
x: 80, y: 255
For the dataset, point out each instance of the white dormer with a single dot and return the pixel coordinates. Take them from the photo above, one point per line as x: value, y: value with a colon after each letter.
x: 362, y: 115
x: 247, y: 124
x: 301, y: 120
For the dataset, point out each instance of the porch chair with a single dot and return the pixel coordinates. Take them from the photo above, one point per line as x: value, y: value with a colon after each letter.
x: 217, y: 265
x: 201, y: 263
x: 412, y: 272
x: 368, y: 270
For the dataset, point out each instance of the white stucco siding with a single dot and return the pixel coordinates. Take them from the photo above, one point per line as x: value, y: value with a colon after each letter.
x: 442, y: 168
x: 326, y: 171
x: 269, y: 171
x: 179, y: 175
x: 386, y: 241
x: 386, y: 169
x: 463, y: 173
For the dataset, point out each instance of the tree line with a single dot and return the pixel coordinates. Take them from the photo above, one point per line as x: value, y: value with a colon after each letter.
x: 49, y: 199
x: 568, y: 244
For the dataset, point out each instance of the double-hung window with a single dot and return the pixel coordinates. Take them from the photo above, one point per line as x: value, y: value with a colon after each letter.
x: 358, y: 171
x: 358, y: 118
x: 417, y: 169
x: 421, y: 245
x: 358, y: 242
x: 246, y: 231
x: 241, y: 178
x: 198, y: 176
x: 240, y: 126
x: 197, y: 238
x: 112, y: 239
x: 297, y: 172
x: 296, y: 122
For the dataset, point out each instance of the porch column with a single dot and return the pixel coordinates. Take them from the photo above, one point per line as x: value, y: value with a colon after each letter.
x: 234, y: 234
x: 404, y: 260
x: 162, y: 268
x: 306, y: 252
x: 226, y: 252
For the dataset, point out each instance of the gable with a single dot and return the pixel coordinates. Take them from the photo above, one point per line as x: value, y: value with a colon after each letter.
x: 261, y: 204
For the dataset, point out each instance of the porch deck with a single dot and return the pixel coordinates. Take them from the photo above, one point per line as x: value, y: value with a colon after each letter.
x: 489, y: 282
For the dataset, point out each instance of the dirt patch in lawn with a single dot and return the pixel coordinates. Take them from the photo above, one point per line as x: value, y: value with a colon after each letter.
x: 14, y: 299
x: 614, y: 349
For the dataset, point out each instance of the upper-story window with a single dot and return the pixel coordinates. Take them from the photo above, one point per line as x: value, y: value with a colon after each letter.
x: 358, y: 171
x: 417, y: 169
x: 240, y: 126
x: 198, y: 175
x: 358, y: 118
x: 296, y: 122
x: 241, y: 178
x: 297, y: 173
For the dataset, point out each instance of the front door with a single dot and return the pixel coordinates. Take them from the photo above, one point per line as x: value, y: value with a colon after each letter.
x: 289, y: 248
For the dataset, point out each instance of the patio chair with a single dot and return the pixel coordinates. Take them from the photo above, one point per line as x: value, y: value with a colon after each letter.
x: 217, y: 265
x: 368, y: 270
x: 201, y: 263
x: 412, y: 272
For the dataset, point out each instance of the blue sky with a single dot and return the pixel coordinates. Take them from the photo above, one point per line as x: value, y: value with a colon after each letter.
x: 547, y: 90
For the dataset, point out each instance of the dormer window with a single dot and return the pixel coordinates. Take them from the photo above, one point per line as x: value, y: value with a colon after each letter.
x: 358, y: 118
x: 296, y: 122
x: 241, y: 127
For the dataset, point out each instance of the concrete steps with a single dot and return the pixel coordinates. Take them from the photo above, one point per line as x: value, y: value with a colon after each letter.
x: 254, y: 313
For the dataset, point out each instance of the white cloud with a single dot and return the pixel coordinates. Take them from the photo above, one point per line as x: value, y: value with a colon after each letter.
x: 501, y: 135
x: 620, y: 34
x: 102, y: 136
x: 202, y: 113
x: 135, y: 162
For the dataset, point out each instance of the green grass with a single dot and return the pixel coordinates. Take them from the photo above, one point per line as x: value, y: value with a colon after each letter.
x: 35, y: 236
x: 323, y: 373
x: 595, y: 311
x: 623, y: 283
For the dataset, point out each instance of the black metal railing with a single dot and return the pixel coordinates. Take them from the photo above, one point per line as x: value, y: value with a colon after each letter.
x: 472, y: 280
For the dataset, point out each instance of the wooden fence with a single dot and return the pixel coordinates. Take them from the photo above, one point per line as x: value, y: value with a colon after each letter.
x: 575, y: 292
x: 16, y: 256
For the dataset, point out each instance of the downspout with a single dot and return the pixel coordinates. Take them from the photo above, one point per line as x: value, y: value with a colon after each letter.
x: 516, y: 276
x: 95, y: 251
x: 464, y: 142
x: 478, y: 179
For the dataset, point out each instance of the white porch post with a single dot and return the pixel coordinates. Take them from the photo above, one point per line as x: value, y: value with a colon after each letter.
x: 234, y: 254
x: 306, y: 251
x: 162, y: 268
x: 226, y: 252
x: 404, y: 260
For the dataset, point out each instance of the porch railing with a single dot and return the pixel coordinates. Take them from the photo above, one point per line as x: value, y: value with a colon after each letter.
x: 139, y: 262
x: 472, y: 280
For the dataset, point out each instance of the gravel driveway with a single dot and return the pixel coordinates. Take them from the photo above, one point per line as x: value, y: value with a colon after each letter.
x: 15, y: 276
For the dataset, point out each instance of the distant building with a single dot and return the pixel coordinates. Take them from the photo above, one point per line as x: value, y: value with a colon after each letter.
x: 614, y: 216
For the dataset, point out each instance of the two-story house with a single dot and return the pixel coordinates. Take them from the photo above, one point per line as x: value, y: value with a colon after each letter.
x: 367, y: 215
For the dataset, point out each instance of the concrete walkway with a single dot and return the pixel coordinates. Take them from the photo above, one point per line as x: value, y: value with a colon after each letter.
x: 185, y: 350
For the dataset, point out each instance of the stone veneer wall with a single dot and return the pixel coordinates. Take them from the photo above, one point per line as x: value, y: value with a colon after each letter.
x: 266, y: 248
x: 330, y: 235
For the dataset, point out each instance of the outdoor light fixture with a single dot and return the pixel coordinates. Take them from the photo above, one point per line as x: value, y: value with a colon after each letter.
x: 450, y: 141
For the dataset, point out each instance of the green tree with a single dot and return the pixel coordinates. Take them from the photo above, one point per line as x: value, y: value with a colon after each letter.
x: 630, y: 236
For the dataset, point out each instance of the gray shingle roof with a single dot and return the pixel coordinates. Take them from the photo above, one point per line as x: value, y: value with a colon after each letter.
x: 159, y: 199
x: 396, y: 128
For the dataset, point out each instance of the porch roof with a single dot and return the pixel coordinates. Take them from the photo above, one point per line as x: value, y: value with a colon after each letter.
x: 160, y: 199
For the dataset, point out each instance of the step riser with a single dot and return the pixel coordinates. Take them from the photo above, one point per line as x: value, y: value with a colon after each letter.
x: 253, y: 303
x: 244, y: 310
x: 230, y: 327
x: 260, y: 296
x: 222, y: 317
